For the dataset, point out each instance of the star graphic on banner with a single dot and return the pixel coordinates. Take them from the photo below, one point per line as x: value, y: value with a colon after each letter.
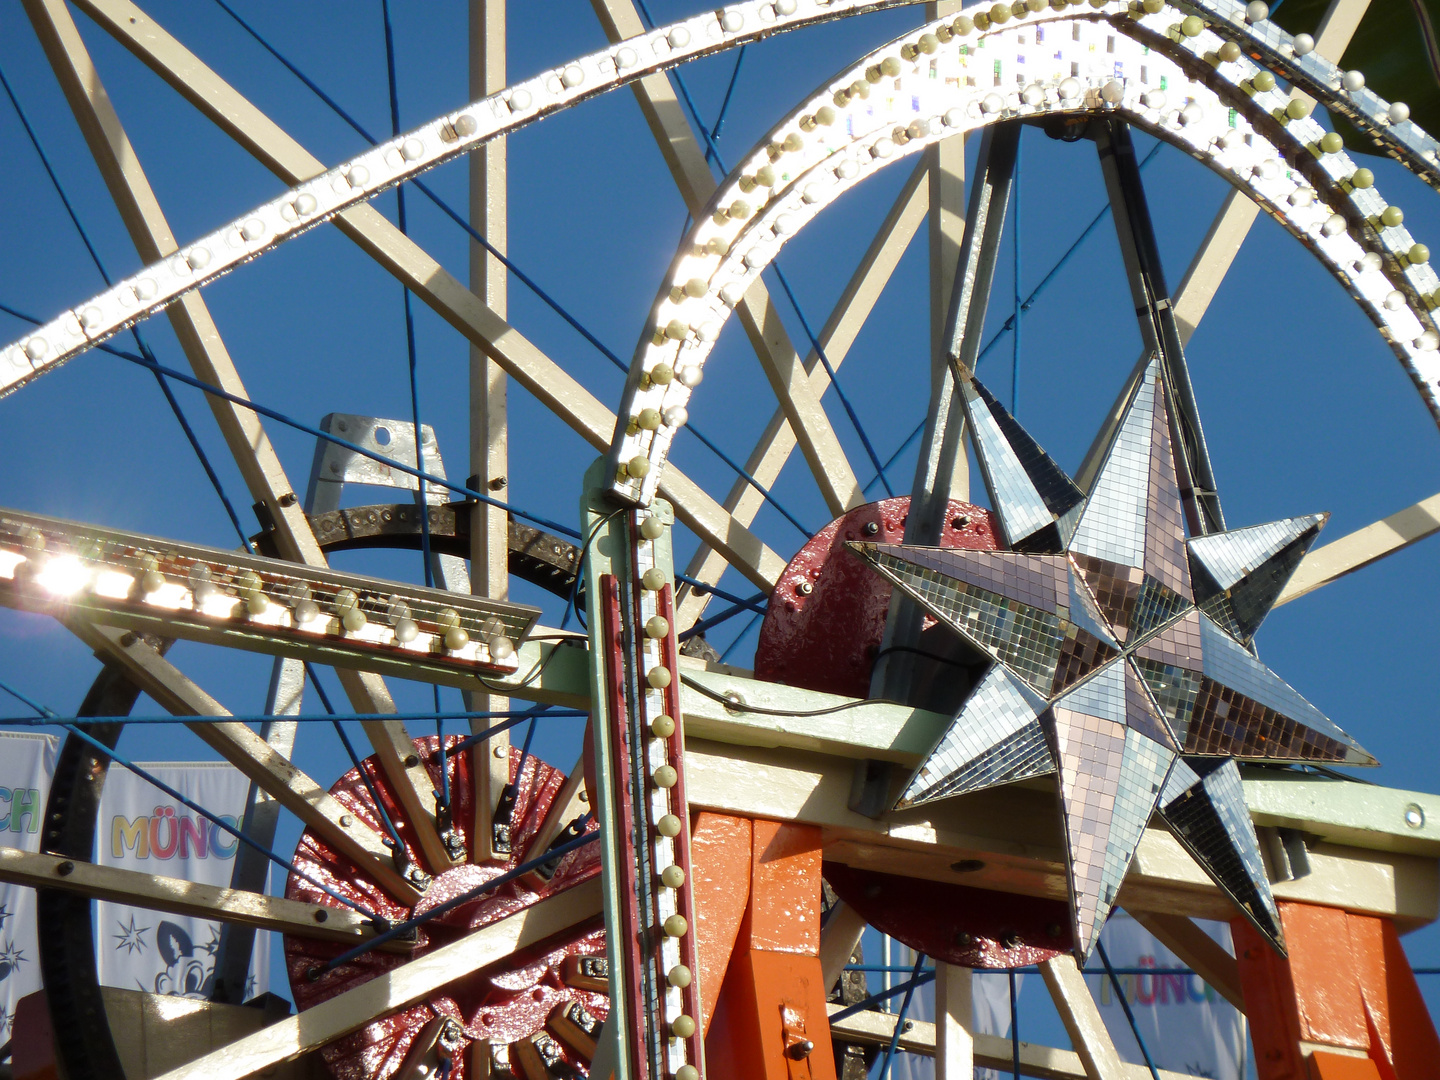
x: 1118, y: 647
x: 131, y: 938
x: 5, y: 913
x: 213, y: 945
x: 11, y: 957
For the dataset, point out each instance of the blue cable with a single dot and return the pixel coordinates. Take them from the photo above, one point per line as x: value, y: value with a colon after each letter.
x: 1125, y: 1004
x: 900, y: 1019
x: 874, y: 999
x: 113, y: 755
x: 524, y: 278
x: 729, y: 93
x: 134, y: 330
x: 514, y: 721
x: 729, y: 613
x: 701, y: 588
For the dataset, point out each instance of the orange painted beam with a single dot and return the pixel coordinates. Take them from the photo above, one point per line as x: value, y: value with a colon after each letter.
x: 1325, y: 1065
x: 720, y: 859
x: 1403, y: 1041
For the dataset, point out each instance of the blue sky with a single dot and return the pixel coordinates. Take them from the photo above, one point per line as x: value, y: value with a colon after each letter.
x: 1304, y: 406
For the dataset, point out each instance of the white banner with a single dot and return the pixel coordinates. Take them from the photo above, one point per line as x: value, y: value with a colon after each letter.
x: 990, y: 1003
x: 26, y: 764
x: 141, y: 828
x: 1187, y: 1027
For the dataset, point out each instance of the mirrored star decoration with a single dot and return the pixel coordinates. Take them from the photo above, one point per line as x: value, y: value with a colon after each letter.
x: 1121, y: 659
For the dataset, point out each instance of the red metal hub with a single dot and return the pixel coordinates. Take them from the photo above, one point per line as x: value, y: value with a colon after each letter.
x: 822, y: 631
x: 508, y: 1003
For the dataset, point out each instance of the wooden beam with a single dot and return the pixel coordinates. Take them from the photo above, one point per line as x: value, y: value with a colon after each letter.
x: 1363, y: 547
x: 954, y: 1022
x: 1197, y: 949
x: 397, y: 988
x: 838, y: 938
x: 1081, y: 1017
x: 154, y: 892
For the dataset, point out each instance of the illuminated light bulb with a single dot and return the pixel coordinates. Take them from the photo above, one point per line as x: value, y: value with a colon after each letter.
x: 657, y: 626
x: 180, y: 265
x: 1428, y: 341
x: 1268, y: 169
x: 847, y: 169
x: 1302, y: 197
x: 793, y: 143
x: 253, y: 229
x: 785, y: 7
x: 626, y: 58
x: 1331, y: 143
x: 465, y: 125
x: 918, y: 129
x: 1394, y: 300
x: 146, y: 289
x: 732, y: 22
x: 1035, y: 6
x: 860, y: 89
x: 668, y: 825
x: 248, y: 585
x: 572, y: 76
x: 883, y: 148
x: 732, y: 293
x: 64, y: 576
x: 1418, y: 254
x: 663, y: 726
x: 151, y: 581
x: 825, y: 115
x: 305, y: 203
x: 652, y: 528
x: 682, y: 1027
x: 890, y: 66
x: 1192, y: 114
x: 353, y: 621
x: 33, y: 543
x: 1228, y: 52
x: 1000, y: 13
x: 200, y: 586
x: 1353, y: 81
x: 689, y: 376
x: 676, y: 330
x: 520, y: 99
x: 345, y: 600
x: 963, y: 25
x: 1370, y: 262
x: 679, y: 37
x: 1297, y: 109
x: 739, y: 210
x: 665, y: 777
x: 638, y: 466
x: 765, y: 176
x: 1069, y: 91
x: 654, y: 579
x: 90, y: 318
x: 648, y: 420
x: 1304, y: 44
x: 661, y: 374
x: 492, y: 626
x: 1392, y: 217
x: 1113, y: 90
x: 811, y: 194
x: 1362, y: 178
x: 1034, y: 96
x: 679, y: 977
x: 1191, y: 25
x: 397, y: 610
x: 199, y: 258
x: 716, y: 245
x: 1257, y: 11
x: 928, y: 44
x: 456, y: 639
x: 405, y: 631
x: 412, y: 149
x: 1398, y: 112
x: 687, y: 1072
x: 1263, y: 81
x: 1152, y: 7
x: 708, y: 331
x: 658, y: 677
x: 992, y: 104
x: 1154, y: 99
x: 675, y: 416
x: 784, y: 225
x: 953, y: 118
x: 257, y: 604
x: 675, y: 925
x: 672, y: 877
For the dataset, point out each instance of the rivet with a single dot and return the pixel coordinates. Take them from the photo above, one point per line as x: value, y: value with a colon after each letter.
x: 1414, y: 816
x: 65, y: 869
x: 967, y: 866
x: 804, y: 588
x: 871, y: 528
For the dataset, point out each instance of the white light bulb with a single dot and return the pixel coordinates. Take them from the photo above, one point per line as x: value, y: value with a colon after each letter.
x: 679, y: 37
x: 675, y: 415
x: 847, y: 169
x: 811, y: 194
x: 253, y: 229
x: 954, y: 118
x: 689, y: 376
x: 883, y: 148
x: 1399, y: 112
x: 1394, y: 300
x: 732, y: 22
x: 992, y: 104
x: 1353, y: 81
x: 1257, y: 11
x: 412, y: 149
x: 572, y: 76
x: 732, y: 293
x: 1069, y: 89
x: 1192, y: 114
x: 520, y: 99
x: 1154, y: 99
x: 785, y: 7
x: 626, y: 58
x: 1034, y: 96
x: 1112, y: 91
x: 1428, y: 341
x: 784, y: 225
x: 305, y: 203
x: 1304, y: 44
x: 1334, y: 225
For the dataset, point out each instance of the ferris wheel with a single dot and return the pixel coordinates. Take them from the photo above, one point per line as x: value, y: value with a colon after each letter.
x: 456, y: 905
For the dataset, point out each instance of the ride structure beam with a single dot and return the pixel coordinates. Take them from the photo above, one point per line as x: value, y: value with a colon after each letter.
x: 200, y: 339
x: 1363, y: 547
x: 555, y: 388
x: 489, y: 424
x: 1081, y: 1017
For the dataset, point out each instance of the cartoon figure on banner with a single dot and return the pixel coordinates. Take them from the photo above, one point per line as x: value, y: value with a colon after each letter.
x: 187, y: 973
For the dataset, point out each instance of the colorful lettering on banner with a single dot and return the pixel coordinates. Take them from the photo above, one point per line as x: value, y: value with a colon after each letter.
x: 26, y: 763
x: 170, y: 954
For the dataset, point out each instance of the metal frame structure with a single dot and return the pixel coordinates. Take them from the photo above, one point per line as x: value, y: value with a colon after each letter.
x: 757, y: 767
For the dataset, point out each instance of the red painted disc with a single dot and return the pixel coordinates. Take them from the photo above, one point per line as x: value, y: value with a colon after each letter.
x: 501, y: 1004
